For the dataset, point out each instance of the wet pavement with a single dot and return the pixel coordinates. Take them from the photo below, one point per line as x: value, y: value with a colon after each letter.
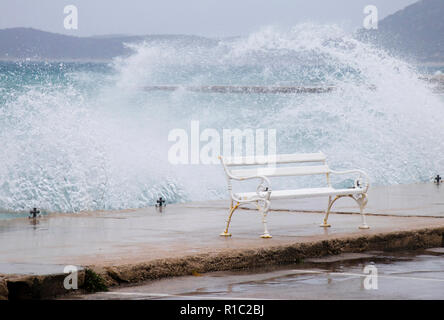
x: 37, y: 269
x: 136, y: 236
x: 402, y: 275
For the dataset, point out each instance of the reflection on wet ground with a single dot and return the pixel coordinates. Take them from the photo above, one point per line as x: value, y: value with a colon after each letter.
x: 405, y: 275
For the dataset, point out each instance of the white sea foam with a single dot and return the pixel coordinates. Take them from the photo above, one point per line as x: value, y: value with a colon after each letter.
x: 97, y: 141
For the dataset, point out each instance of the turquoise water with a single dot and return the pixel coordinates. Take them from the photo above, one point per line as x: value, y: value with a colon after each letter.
x: 85, y: 136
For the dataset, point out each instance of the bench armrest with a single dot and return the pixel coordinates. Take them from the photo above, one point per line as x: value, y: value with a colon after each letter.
x: 264, y: 185
x: 361, y: 173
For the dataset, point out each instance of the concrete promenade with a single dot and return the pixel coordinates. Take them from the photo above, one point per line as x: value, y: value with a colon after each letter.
x: 132, y: 246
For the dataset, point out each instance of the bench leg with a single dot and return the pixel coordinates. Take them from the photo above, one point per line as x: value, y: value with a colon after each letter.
x: 264, y: 211
x: 362, y: 201
x: 330, y: 204
x: 225, y: 233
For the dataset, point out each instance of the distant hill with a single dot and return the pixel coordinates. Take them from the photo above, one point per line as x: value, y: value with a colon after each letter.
x: 28, y: 43
x: 416, y: 32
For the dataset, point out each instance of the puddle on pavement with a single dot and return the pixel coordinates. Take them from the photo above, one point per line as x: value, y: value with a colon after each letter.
x: 401, y: 275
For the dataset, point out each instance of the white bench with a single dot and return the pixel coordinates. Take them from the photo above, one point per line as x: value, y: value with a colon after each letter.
x: 262, y: 168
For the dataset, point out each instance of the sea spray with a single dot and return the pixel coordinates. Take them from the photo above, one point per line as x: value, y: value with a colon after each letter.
x: 78, y: 137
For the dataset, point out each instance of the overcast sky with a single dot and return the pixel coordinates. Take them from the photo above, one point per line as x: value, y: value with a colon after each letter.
x: 200, y: 17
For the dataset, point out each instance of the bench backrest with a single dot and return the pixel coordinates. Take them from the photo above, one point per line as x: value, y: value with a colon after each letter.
x: 268, y: 166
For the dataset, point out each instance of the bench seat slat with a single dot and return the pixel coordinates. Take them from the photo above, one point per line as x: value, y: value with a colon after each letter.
x: 280, y: 158
x: 303, y: 193
x: 281, y: 171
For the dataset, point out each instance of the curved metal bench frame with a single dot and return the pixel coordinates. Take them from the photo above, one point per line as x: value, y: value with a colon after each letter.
x: 263, y: 195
